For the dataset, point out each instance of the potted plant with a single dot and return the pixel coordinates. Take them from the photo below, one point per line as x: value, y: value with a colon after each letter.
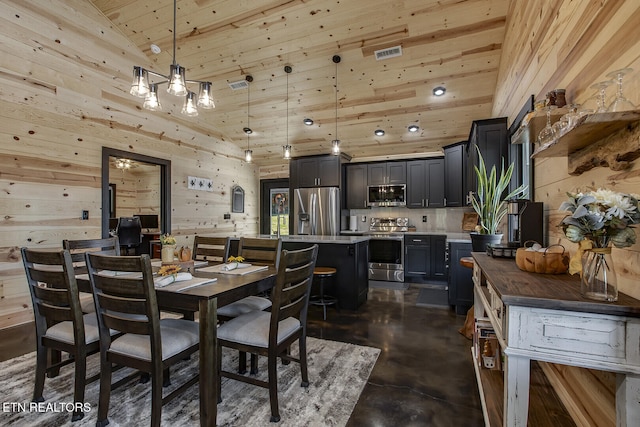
x: 489, y: 203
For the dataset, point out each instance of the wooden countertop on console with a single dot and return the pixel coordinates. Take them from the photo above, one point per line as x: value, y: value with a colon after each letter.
x: 550, y: 291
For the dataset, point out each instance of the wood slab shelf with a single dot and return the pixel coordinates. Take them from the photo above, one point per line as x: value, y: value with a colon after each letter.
x: 589, y: 130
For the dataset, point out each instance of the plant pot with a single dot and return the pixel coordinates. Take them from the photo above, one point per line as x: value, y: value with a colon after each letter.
x: 479, y: 241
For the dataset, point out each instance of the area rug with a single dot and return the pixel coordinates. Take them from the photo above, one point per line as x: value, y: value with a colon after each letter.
x: 337, y: 375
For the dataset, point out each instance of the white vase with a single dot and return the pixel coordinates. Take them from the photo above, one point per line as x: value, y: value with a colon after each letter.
x: 167, y: 253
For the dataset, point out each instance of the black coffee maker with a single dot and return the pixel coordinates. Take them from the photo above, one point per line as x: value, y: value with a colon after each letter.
x: 525, y: 222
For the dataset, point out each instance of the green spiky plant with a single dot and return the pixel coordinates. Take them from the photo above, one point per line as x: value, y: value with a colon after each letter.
x: 488, y: 201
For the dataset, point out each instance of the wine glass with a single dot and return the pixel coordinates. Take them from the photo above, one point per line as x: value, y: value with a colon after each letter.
x: 602, y: 98
x: 620, y: 103
x: 548, y: 133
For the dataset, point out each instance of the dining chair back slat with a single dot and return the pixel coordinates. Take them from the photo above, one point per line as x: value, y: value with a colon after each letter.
x: 214, y: 250
x: 77, y: 248
x: 60, y: 324
x: 260, y: 251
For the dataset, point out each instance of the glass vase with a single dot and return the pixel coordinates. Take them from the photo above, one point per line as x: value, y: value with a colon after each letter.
x: 599, y: 281
x: 167, y: 253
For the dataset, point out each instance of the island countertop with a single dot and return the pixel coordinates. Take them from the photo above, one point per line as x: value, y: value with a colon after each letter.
x: 343, y: 240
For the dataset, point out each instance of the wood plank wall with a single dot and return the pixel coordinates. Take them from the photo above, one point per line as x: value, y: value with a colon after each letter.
x: 65, y: 74
x: 572, y: 45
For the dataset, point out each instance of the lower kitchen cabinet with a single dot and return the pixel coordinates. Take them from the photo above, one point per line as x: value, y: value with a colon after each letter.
x: 460, y: 278
x: 351, y: 283
x: 425, y: 258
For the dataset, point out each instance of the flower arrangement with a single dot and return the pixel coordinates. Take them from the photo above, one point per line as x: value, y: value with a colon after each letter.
x: 167, y: 240
x: 235, y: 259
x: 602, y: 216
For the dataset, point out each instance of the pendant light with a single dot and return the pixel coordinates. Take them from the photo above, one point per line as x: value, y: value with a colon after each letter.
x: 286, y: 149
x: 335, y: 144
x: 248, y: 154
x: 177, y: 85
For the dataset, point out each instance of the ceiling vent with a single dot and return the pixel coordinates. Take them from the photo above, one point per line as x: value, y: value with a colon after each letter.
x: 391, y: 52
x: 240, y: 84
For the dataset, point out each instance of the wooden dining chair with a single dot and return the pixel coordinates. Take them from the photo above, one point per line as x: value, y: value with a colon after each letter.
x: 214, y: 250
x: 271, y: 333
x: 126, y: 301
x: 77, y: 249
x: 60, y: 324
x: 259, y: 252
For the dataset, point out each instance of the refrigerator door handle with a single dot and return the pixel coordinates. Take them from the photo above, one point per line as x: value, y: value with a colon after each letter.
x: 313, y: 213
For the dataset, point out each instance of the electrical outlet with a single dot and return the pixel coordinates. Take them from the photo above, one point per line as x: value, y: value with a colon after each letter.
x: 85, y: 215
x: 424, y: 218
x: 227, y: 216
x: 364, y: 218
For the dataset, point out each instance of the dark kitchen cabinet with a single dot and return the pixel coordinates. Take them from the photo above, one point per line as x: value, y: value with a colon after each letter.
x: 356, y: 186
x: 491, y: 136
x: 425, y: 186
x: 387, y: 173
x: 454, y: 174
x: 314, y: 171
x: 425, y: 258
x: 460, y: 278
x: 351, y: 283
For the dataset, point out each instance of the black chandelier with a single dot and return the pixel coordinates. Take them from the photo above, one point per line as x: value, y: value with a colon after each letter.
x: 143, y: 88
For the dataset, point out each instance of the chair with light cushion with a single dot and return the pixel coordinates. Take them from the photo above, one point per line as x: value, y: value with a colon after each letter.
x: 214, y: 250
x: 77, y: 249
x: 60, y: 324
x: 271, y: 333
x: 258, y: 252
x: 126, y: 301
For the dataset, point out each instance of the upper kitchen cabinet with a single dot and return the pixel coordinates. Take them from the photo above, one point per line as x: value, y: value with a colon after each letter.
x: 425, y: 187
x: 315, y: 171
x: 356, y: 186
x: 387, y: 173
x: 491, y: 136
x: 454, y: 174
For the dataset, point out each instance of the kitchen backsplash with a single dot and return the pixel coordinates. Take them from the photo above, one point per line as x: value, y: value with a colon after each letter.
x: 438, y: 220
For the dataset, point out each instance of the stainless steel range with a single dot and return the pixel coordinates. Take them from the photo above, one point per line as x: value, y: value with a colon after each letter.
x: 386, y: 248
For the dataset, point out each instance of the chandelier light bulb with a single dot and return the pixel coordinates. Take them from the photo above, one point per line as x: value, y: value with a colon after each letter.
x: 151, y: 101
x: 205, y: 100
x: 177, y: 84
x: 140, y: 84
x: 189, y: 108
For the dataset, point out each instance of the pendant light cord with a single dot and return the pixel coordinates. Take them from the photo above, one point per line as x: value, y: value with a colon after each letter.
x: 336, y: 101
x: 287, y: 105
x: 248, y: 115
x: 175, y: 9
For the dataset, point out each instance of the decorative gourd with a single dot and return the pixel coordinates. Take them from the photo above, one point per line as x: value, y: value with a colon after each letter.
x: 184, y: 254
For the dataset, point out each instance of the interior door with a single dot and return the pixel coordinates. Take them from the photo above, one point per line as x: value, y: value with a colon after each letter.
x: 274, y: 201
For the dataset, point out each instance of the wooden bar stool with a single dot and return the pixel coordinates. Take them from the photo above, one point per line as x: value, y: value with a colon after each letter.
x: 320, y: 275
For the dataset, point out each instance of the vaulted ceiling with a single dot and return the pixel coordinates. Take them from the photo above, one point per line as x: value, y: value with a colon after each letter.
x: 451, y: 43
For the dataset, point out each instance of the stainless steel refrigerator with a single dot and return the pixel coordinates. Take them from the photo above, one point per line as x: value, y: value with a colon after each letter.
x: 316, y: 211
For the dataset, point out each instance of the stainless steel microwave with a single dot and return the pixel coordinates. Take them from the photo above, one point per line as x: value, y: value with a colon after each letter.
x: 387, y: 195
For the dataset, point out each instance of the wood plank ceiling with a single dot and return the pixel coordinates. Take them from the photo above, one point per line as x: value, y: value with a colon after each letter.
x: 450, y: 43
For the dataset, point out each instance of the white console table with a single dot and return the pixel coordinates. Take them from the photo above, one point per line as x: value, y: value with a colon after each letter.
x: 543, y: 317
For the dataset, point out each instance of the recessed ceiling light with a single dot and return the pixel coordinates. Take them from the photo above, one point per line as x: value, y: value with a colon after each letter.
x: 379, y: 132
x: 308, y: 121
x: 247, y: 130
x: 413, y: 128
x: 439, y: 91
x: 155, y: 49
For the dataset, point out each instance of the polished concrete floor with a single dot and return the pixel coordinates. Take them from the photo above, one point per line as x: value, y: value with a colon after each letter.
x: 424, y: 375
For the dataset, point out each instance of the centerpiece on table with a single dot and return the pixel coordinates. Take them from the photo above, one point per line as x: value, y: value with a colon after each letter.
x: 599, y: 220
x: 234, y: 262
x: 490, y: 204
x: 167, y: 252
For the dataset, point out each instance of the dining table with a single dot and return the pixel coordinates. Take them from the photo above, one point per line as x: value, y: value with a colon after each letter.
x: 205, y: 299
